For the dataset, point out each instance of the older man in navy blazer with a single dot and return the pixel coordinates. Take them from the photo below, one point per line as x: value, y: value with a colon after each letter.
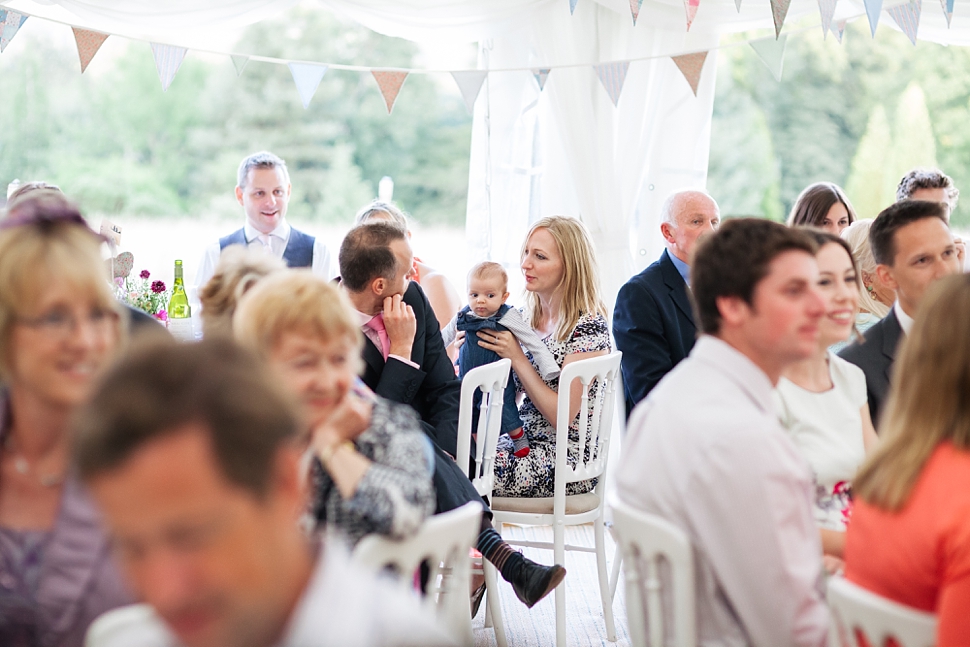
x: 653, y: 321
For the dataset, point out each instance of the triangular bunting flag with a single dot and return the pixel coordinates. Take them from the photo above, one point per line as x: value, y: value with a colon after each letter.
x: 572, y: 6
x: 691, y: 7
x: 873, y: 7
x: 470, y: 84
x: 168, y: 60
x: 307, y: 77
x: 542, y: 75
x: 839, y: 30
x: 239, y: 62
x: 947, y: 11
x: 779, y: 9
x: 612, y: 76
x: 390, y: 83
x: 771, y: 53
x: 827, y: 9
x: 690, y: 66
x: 907, y: 17
x: 737, y: 5
x: 635, y: 9
x: 88, y: 44
x: 10, y: 23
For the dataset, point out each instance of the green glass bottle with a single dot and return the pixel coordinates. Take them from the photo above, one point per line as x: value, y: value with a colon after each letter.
x: 179, y: 311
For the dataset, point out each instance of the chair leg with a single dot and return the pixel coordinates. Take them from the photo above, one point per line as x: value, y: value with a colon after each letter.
x: 559, y: 547
x: 493, y: 608
x: 605, y: 591
x: 615, y: 572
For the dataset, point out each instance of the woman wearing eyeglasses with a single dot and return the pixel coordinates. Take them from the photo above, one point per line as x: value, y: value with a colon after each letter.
x: 59, y: 326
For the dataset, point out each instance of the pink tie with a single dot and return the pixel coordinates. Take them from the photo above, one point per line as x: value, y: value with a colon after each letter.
x: 377, y: 325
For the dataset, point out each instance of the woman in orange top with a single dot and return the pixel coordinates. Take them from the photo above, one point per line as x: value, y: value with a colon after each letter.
x: 909, y: 536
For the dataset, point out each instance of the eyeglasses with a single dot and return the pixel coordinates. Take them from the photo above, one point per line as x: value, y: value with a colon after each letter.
x: 60, y: 323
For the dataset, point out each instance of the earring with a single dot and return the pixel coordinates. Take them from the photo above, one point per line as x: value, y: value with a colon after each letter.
x: 870, y: 290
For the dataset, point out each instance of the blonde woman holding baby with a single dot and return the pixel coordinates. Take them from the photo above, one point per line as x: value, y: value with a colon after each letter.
x: 564, y: 308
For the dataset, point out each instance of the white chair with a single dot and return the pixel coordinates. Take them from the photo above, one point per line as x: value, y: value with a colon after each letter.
x: 490, y: 379
x: 560, y: 510
x: 854, y: 609
x: 645, y: 541
x: 443, y: 541
x: 135, y: 624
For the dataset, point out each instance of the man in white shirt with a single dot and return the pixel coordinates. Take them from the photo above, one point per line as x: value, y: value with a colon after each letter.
x: 264, y: 190
x: 913, y: 247
x: 705, y: 450
x: 193, y: 456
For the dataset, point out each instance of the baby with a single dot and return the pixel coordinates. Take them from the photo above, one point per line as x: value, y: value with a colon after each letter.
x: 486, y: 309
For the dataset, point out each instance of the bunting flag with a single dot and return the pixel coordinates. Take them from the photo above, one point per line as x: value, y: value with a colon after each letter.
x: 779, y: 9
x: 737, y: 5
x: 839, y: 30
x: 307, y: 77
x: 873, y: 7
x: 542, y: 75
x: 239, y: 62
x: 827, y: 10
x: 390, y: 82
x: 168, y: 60
x: 771, y: 53
x: 612, y: 76
x: 470, y: 84
x: 907, y: 17
x: 572, y: 6
x: 691, y: 66
x: 947, y: 11
x: 691, y: 7
x: 635, y: 9
x: 10, y: 23
x: 88, y: 44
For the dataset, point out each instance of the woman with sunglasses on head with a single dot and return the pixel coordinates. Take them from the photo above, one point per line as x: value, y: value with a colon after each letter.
x: 59, y: 326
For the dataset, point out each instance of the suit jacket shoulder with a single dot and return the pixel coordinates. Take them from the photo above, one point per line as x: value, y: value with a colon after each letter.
x: 875, y: 355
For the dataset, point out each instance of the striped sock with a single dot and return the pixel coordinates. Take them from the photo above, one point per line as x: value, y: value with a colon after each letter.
x: 502, y: 556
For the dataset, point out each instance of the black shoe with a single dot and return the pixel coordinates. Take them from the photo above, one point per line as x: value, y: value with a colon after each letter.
x: 477, y: 598
x: 534, y: 581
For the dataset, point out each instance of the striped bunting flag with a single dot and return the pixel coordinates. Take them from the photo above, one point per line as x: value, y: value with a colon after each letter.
x: 612, y: 76
x: 907, y: 17
x: 307, y: 77
x: 168, y: 60
x: 10, y: 24
x: 827, y: 10
x: 389, y: 82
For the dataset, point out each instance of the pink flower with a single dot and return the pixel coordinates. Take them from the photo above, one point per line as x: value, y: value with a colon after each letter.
x: 145, y: 274
x: 158, y: 287
x: 161, y: 315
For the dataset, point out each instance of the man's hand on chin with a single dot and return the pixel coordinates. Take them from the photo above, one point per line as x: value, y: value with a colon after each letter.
x: 401, y: 325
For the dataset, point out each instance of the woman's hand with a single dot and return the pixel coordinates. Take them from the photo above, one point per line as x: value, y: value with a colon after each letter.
x: 349, y: 420
x: 503, y: 343
x: 459, y: 340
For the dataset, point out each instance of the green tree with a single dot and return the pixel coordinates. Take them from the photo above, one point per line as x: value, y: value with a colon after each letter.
x: 868, y: 186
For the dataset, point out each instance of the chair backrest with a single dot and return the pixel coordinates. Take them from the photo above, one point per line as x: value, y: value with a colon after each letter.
x: 857, y: 611
x: 647, y: 541
x: 444, y: 542
x: 599, y: 377
x: 491, y: 380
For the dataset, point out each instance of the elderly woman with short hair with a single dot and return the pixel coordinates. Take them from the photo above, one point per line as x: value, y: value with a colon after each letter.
x: 59, y: 326
x: 371, y: 469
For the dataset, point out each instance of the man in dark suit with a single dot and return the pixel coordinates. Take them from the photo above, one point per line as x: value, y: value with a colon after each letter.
x: 653, y: 321
x: 406, y: 362
x: 913, y: 247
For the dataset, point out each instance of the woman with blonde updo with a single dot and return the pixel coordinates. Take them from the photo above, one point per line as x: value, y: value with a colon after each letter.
x: 238, y: 270
x: 563, y: 305
x: 60, y: 325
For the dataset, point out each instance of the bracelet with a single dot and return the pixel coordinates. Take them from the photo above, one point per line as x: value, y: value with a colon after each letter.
x: 326, y: 453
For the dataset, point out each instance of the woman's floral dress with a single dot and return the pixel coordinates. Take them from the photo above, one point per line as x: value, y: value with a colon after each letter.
x: 532, y: 476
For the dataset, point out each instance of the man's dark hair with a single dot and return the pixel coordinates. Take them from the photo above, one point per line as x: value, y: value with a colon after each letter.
x: 734, y: 259
x: 160, y: 386
x: 882, y: 233
x: 365, y: 254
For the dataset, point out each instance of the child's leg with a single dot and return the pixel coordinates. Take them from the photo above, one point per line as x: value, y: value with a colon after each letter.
x: 512, y: 424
